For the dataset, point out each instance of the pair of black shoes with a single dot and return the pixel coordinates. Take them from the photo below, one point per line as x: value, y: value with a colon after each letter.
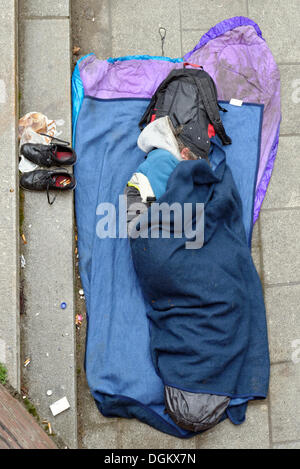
x: 55, y: 154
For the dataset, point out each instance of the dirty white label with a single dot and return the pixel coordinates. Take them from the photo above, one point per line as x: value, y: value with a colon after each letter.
x: 2, y: 92
x: 2, y: 352
x: 60, y: 406
x: 236, y: 102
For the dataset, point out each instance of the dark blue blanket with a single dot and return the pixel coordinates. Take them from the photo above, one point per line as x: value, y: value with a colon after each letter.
x: 119, y: 368
x: 208, y: 325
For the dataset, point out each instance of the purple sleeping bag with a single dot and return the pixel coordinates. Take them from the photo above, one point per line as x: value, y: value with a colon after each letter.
x: 247, y: 73
x: 226, y: 52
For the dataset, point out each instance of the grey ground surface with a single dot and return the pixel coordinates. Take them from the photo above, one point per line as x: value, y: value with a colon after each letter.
x: 114, y: 28
x: 9, y: 233
x: 48, y: 332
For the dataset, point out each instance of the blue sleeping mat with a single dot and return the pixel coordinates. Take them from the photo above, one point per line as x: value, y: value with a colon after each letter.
x: 119, y: 368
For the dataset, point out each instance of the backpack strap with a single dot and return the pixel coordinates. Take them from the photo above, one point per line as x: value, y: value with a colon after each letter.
x: 145, y: 119
x: 209, y: 98
x: 156, y: 99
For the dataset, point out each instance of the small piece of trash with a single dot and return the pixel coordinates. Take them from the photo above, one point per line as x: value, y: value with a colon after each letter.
x: 11, y: 191
x: 24, y: 239
x: 24, y: 392
x: 81, y: 292
x: 49, y: 428
x: 63, y: 305
x: 27, y: 362
x: 31, y: 127
x: 76, y: 50
x: 23, y: 262
x: 60, y: 406
x: 78, y: 320
x: 48, y: 424
x: 49, y: 393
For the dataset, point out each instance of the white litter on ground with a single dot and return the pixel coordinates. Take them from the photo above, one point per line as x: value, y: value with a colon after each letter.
x: 30, y: 128
x: 60, y: 406
x: 23, y: 262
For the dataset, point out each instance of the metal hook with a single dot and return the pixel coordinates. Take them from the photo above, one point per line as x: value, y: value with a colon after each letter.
x: 162, y: 32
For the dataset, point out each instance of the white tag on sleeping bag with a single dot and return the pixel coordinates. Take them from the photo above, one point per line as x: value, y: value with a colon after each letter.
x: 236, y: 102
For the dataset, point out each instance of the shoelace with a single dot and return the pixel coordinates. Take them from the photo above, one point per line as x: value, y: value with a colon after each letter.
x: 53, y: 147
x: 64, y: 142
x: 51, y: 202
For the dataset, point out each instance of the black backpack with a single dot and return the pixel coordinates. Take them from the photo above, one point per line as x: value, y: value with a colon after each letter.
x: 189, y: 98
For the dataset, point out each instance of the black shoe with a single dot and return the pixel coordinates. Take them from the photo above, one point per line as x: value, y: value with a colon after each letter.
x: 49, y: 155
x: 43, y: 180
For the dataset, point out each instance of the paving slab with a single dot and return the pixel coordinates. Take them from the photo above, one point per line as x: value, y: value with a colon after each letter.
x: 49, y: 331
x: 45, y: 8
x: 205, y: 14
x: 45, y: 83
x: 252, y: 434
x: 290, y: 445
x: 101, y: 437
x: 290, y: 98
x: 9, y: 194
x: 135, y: 27
x: 135, y: 434
x: 94, y: 16
x: 284, y: 399
x: 280, y: 241
x: 284, y: 187
x: 279, y: 22
x: 190, y: 38
x: 282, y: 303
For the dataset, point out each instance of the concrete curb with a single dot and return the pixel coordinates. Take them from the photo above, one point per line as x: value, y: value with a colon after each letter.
x: 9, y: 194
x: 48, y: 332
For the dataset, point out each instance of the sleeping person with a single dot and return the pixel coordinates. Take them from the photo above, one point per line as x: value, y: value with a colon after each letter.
x: 203, y: 303
x: 166, y: 149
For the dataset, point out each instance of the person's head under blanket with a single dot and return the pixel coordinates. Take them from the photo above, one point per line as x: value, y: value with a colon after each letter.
x: 165, y: 149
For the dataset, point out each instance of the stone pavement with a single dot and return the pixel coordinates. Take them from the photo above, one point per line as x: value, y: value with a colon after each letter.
x: 115, y: 28
x: 9, y: 194
x: 48, y: 332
